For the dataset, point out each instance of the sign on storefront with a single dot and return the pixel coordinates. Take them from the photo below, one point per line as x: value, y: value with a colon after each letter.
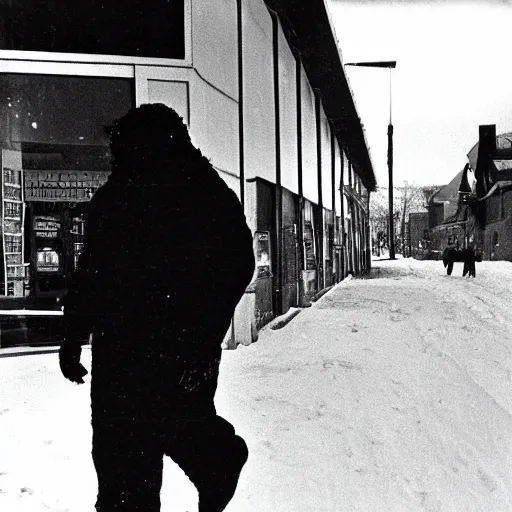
x: 46, y: 227
x: 72, y: 186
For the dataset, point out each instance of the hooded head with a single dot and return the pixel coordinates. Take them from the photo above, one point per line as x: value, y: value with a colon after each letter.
x: 147, y: 139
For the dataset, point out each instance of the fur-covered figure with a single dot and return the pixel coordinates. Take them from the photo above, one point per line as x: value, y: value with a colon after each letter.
x: 452, y: 255
x: 166, y: 258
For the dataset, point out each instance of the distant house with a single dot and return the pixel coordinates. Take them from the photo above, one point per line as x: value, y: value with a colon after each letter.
x: 490, y: 206
x: 447, y: 216
x: 475, y: 208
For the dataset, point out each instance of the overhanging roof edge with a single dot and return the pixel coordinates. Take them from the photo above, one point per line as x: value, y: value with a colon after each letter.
x: 315, y: 38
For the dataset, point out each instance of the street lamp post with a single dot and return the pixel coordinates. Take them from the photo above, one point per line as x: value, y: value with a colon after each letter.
x: 390, y: 65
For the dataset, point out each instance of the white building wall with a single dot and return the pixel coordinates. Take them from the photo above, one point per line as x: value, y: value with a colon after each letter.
x: 214, y: 129
x: 173, y: 93
x: 259, y: 118
x: 325, y: 134
x: 309, y: 143
x: 214, y: 87
x: 288, y: 115
x: 214, y: 43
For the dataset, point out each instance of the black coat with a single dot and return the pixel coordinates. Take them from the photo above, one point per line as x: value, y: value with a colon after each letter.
x: 167, y: 256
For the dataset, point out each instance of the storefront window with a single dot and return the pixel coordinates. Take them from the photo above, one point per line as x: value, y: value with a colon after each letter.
x: 130, y: 27
x: 54, y: 153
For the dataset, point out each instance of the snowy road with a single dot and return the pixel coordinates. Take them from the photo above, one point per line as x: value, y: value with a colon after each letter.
x: 390, y: 393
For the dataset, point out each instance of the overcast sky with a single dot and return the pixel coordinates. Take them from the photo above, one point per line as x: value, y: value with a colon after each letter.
x: 454, y: 72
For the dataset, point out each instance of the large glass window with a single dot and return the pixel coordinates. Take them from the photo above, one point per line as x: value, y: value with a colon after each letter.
x: 127, y: 27
x: 54, y: 154
x: 59, y: 122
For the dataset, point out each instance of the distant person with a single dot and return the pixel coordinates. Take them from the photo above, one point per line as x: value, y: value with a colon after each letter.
x: 167, y: 256
x: 469, y: 268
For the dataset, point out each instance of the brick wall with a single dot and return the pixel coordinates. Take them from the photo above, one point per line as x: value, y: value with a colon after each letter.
x: 501, y: 233
x: 497, y: 237
x: 435, y: 215
x: 493, y: 209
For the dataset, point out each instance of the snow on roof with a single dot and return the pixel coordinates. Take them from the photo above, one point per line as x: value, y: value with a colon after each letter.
x: 503, y: 142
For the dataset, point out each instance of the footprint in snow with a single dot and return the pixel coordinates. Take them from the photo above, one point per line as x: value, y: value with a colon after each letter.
x: 487, y: 480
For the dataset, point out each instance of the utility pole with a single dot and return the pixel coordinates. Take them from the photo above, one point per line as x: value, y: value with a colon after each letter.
x: 391, y: 230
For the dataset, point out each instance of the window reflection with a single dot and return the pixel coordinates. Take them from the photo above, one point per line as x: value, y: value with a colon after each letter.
x: 54, y: 135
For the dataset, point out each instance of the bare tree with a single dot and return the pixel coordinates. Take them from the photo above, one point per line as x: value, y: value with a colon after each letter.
x: 408, y: 198
x: 428, y: 194
x: 411, y: 201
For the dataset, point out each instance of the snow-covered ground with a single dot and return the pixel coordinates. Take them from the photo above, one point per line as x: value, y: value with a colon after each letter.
x: 390, y: 393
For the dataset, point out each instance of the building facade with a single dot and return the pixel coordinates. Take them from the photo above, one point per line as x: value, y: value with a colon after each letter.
x: 475, y: 209
x: 419, y: 237
x: 262, y: 88
x: 490, y: 202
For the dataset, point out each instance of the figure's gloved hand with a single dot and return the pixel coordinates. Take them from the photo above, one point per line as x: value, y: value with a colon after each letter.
x: 69, y: 361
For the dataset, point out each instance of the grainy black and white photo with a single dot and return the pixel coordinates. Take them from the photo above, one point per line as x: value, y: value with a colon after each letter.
x: 255, y: 256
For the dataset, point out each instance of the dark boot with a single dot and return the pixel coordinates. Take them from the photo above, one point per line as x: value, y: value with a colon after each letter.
x: 216, y: 493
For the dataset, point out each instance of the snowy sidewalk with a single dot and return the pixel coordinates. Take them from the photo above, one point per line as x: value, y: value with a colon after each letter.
x: 390, y: 393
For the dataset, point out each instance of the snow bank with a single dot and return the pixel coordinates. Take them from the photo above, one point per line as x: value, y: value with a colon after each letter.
x: 392, y: 393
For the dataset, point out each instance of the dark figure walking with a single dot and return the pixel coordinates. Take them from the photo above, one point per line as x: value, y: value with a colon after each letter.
x: 166, y: 258
x: 469, y: 259
x: 452, y: 255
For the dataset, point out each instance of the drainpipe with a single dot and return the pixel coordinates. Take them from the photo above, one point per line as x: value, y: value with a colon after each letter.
x: 241, y: 101
x: 231, y: 342
x: 342, y: 215
x: 300, y: 223
x: 333, y: 198
x: 320, y: 276
x: 368, y: 235
x: 278, y: 292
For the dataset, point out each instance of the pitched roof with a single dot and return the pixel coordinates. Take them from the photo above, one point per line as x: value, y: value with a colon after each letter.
x: 503, y: 149
x: 449, y: 192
